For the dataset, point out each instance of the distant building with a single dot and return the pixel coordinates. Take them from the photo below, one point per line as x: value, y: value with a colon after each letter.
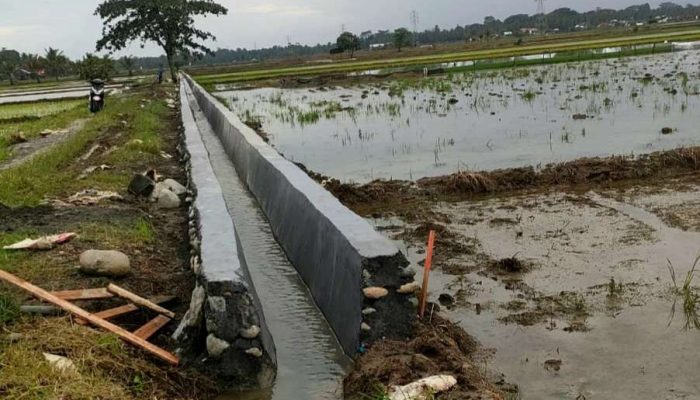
x: 508, y: 33
x: 365, y: 35
x: 379, y: 46
x: 529, y: 31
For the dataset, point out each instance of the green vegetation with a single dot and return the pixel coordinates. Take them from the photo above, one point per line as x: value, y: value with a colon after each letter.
x: 169, y: 24
x: 46, y: 175
x: 572, y: 49
x: 688, y: 295
x: 37, y: 109
x: 9, y: 308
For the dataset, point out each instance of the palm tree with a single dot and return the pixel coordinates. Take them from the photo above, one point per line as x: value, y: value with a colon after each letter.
x: 34, y: 64
x: 56, y: 63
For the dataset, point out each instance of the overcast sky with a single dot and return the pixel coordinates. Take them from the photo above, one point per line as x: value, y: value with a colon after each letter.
x: 33, y: 25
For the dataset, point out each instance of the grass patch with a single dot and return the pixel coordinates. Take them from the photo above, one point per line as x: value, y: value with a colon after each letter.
x: 106, y: 368
x: 9, y: 308
x: 38, y: 109
x: 49, y: 174
x: 32, y: 127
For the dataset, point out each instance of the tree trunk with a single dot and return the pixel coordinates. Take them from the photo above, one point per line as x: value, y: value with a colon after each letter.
x: 171, y: 65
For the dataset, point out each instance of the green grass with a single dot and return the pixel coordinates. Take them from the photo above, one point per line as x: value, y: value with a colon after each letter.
x: 50, y: 174
x: 38, y: 109
x: 625, y: 41
x: 9, y: 308
x: 31, y: 129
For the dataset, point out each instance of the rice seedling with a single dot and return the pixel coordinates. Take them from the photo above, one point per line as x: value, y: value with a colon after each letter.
x: 688, y: 295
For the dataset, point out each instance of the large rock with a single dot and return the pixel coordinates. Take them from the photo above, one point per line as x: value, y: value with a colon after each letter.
x: 174, y: 186
x: 168, y: 199
x: 109, y: 263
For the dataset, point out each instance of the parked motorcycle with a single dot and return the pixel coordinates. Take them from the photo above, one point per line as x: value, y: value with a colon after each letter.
x: 97, y: 96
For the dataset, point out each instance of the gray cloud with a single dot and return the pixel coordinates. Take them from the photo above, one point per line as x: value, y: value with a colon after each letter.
x: 33, y: 25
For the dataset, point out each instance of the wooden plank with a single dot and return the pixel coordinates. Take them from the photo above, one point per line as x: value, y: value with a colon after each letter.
x: 138, y: 300
x: 99, y: 322
x: 151, y: 327
x: 125, y: 309
x: 83, y: 294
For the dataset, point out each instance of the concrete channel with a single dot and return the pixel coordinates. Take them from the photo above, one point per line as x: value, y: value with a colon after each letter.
x: 304, y: 259
x: 310, y: 361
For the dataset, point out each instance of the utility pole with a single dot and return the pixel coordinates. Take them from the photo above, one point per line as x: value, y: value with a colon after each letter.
x: 542, y: 15
x: 342, y: 28
x: 414, y: 21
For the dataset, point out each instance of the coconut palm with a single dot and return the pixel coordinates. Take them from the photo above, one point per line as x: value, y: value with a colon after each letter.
x: 34, y: 64
x: 56, y: 63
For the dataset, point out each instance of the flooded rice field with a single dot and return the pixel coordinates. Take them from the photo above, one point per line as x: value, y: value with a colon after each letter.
x: 412, y: 128
x: 572, y: 293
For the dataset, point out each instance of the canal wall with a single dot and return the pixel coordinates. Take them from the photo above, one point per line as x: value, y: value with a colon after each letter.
x: 224, y: 329
x: 336, y: 252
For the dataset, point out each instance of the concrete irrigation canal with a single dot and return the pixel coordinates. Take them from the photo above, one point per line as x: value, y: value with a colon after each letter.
x: 282, y: 265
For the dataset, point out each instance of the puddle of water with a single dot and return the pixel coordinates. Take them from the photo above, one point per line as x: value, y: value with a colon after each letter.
x: 506, y: 118
x: 577, y: 243
x: 311, y: 363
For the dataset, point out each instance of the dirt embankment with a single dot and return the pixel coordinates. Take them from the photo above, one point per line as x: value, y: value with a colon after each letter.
x: 378, y: 196
x: 437, y: 347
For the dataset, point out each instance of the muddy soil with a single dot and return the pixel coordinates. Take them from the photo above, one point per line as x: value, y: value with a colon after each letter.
x: 385, y: 195
x: 438, y: 346
x: 568, y: 284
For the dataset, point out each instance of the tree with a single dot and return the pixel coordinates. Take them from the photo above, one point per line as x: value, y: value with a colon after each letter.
x: 402, y: 38
x: 128, y: 62
x: 56, y: 63
x: 94, y: 67
x: 348, y: 42
x: 9, y: 62
x: 169, y: 23
x: 34, y: 64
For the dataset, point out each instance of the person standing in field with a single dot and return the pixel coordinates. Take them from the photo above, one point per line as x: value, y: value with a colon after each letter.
x: 161, y: 71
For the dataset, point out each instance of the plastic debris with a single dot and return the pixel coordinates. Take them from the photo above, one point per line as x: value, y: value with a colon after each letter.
x: 91, y: 197
x: 42, y: 243
x: 423, y: 389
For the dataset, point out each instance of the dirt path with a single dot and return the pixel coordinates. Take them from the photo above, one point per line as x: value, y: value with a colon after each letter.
x: 23, y: 152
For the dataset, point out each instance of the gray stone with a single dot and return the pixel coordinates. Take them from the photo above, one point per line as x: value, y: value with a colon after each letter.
x: 368, y: 311
x: 174, y: 186
x: 108, y: 263
x: 168, y: 199
x: 193, y: 316
x: 216, y: 346
x: 365, y: 327
x: 255, y: 352
x: 407, y: 273
x: 250, y: 333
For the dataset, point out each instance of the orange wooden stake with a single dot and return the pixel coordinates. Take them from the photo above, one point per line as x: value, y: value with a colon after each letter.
x: 426, y: 272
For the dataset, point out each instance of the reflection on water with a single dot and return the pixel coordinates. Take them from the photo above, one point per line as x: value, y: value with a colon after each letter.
x: 486, y: 120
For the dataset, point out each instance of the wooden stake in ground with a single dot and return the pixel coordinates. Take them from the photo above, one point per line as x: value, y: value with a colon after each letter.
x: 138, y: 300
x: 426, y: 272
x: 99, y: 322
